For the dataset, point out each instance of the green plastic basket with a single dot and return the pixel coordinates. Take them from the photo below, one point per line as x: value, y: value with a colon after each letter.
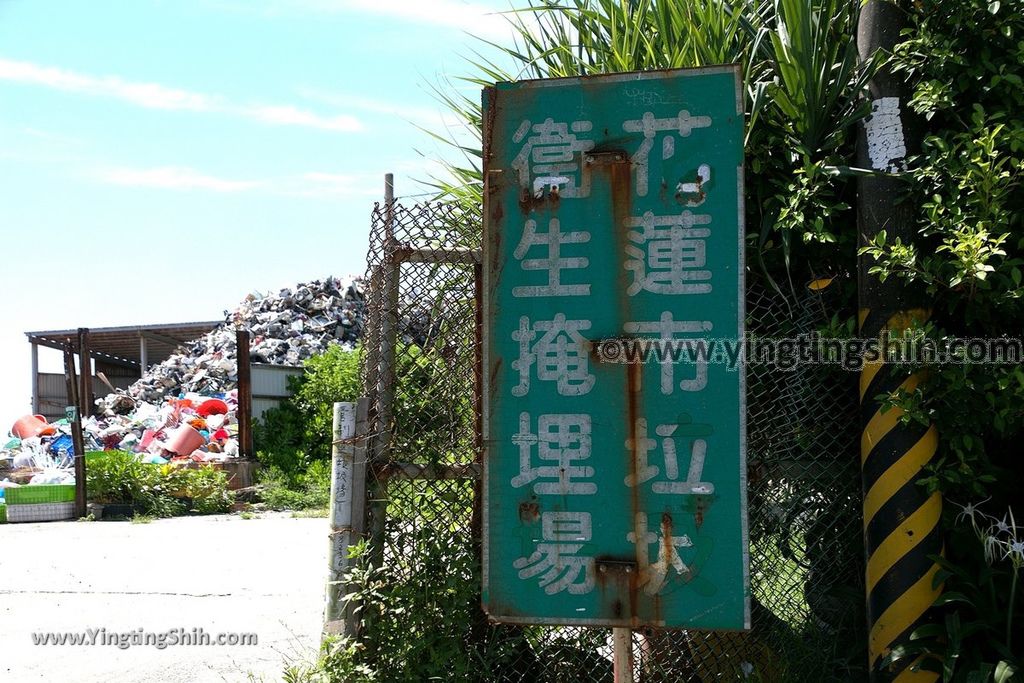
x: 3, y: 513
x: 41, y: 493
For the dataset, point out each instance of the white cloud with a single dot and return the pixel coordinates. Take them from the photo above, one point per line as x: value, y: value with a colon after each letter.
x: 474, y: 18
x: 319, y: 184
x: 49, y: 136
x: 37, y: 146
x: 156, y: 96
x: 311, y: 184
x: 292, y: 116
x: 426, y: 117
x: 149, y: 95
x: 171, y: 178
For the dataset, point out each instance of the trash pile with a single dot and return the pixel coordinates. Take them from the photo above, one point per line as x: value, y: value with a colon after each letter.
x: 286, y: 329
x: 46, y: 489
x: 185, y: 407
x: 42, y: 462
x: 192, y: 426
x: 46, y: 453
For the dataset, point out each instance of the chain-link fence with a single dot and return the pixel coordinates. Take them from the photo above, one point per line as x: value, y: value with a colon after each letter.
x: 421, y: 615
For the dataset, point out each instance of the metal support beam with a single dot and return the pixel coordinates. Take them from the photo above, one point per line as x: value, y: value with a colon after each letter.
x: 77, y: 438
x: 901, y: 521
x: 457, y: 256
x: 163, y: 338
x: 49, y: 343
x: 143, y: 354
x: 35, y: 378
x: 410, y: 470
x: 59, y: 343
x: 85, y: 397
x: 245, y: 448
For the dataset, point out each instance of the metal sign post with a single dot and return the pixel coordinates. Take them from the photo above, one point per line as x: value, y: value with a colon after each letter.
x: 74, y: 416
x: 622, y: 653
x: 615, y: 489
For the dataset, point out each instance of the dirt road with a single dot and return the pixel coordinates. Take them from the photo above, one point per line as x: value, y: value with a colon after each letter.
x: 104, y: 581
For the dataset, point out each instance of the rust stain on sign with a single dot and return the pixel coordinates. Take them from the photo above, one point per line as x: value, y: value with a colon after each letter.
x: 529, y: 511
x: 619, y: 577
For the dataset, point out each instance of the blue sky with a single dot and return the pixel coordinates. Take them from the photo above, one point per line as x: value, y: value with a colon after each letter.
x: 161, y: 159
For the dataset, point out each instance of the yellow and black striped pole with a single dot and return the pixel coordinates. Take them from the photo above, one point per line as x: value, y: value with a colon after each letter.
x: 901, y: 520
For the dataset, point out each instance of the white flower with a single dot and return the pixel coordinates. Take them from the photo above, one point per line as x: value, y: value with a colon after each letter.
x: 992, y: 545
x: 1015, y: 552
x: 968, y: 511
x: 747, y: 668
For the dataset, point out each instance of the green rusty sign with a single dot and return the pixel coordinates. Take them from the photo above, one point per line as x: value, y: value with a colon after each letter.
x: 614, y: 427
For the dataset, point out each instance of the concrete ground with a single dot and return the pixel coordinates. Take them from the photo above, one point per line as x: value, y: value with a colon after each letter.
x: 223, y: 574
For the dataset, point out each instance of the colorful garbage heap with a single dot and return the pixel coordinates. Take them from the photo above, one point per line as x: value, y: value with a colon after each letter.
x: 40, y: 483
x: 183, y: 410
x: 36, y: 502
x: 39, y: 455
x: 191, y: 427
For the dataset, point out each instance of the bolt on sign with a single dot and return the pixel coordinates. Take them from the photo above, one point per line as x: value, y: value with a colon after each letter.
x: 615, y: 488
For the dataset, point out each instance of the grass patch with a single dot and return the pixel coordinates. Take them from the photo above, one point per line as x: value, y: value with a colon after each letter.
x: 310, y: 513
x: 309, y: 490
x: 779, y: 581
x: 142, y: 519
x: 335, y: 661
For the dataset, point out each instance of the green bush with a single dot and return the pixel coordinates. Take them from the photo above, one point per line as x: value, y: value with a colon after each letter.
x: 293, y: 440
x: 119, y: 477
x: 968, y: 65
x: 337, y: 661
x: 158, y: 490
x: 297, y: 433
x: 420, y: 609
x: 207, y: 488
x: 303, y: 491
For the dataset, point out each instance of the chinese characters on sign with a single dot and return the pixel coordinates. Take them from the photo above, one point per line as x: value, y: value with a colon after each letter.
x: 614, y: 491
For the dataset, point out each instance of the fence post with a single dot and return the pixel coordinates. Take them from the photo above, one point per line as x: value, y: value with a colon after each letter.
x: 384, y: 390
x: 388, y: 320
x: 348, y: 493
x: 623, y: 655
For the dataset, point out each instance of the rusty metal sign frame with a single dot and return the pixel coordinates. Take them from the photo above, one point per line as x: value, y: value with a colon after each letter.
x: 490, y: 253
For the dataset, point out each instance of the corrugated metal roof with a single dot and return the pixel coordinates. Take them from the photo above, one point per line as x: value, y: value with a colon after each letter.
x: 121, y: 344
